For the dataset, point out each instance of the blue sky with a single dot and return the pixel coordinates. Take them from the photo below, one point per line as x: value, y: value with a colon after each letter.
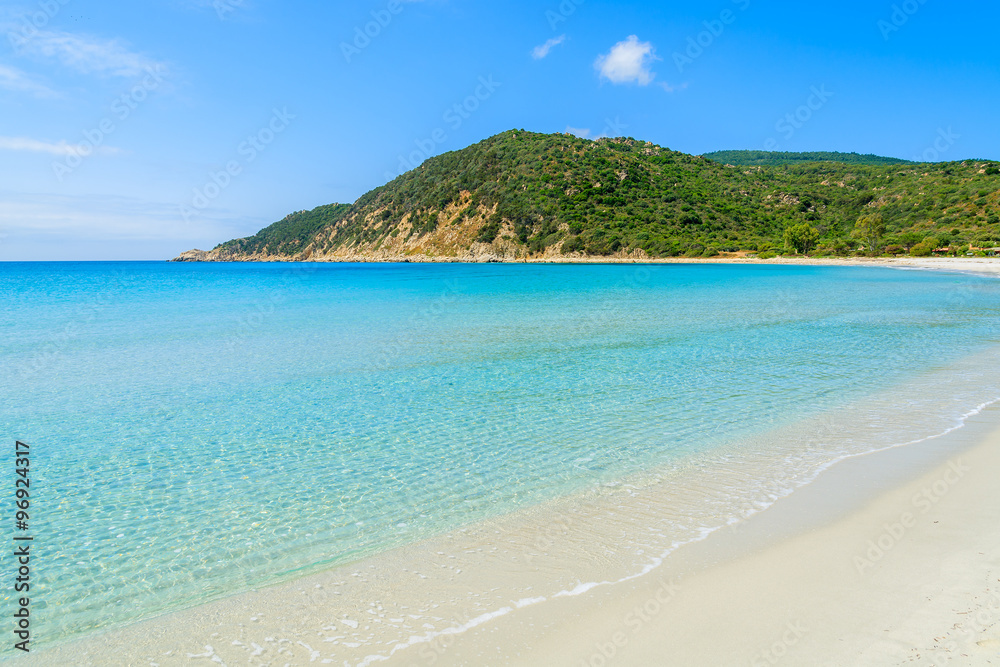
x: 137, y: 130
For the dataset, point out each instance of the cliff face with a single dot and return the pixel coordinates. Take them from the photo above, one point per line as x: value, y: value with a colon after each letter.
x: 454, y: 240
x: 521, y: 195
x: 451, y: 236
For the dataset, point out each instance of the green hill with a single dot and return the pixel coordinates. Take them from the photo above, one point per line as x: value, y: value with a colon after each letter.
x: 774, y: 159
x: 526, y: 195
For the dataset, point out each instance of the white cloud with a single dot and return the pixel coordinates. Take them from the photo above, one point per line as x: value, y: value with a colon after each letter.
x: 89, y: 55
x: 36, y: 146
x: 628, y: 62
x: 543, y: 50
x: 583, y: 133
x: 14, y: 79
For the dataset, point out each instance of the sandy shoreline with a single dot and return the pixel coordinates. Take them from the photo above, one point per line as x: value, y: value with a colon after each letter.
x: 910, y: 576
x: 786, y: 581
x: 977, y: 265
x: 980, y: 265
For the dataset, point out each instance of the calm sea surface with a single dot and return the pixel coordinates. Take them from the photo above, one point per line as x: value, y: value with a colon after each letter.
x: 200, y: 429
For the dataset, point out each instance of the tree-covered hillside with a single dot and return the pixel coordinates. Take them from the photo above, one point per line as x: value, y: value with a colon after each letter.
x: 775, y: 158
x: 290, y: 235
x: 521, y: 194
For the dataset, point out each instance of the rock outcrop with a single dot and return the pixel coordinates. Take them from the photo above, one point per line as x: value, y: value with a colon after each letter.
x: 193, y: 256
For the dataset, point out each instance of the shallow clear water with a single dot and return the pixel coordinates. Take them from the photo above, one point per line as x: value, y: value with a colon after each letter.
x: 202, y: 429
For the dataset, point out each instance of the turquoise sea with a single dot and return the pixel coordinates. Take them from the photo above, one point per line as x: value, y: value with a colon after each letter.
x: 201, y: 429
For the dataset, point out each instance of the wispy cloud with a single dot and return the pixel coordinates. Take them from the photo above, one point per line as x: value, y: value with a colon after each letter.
x: 107, y: 218
x: 89, y: 55
x: 671, y: 89
x: 48, y: 226
x: 583, y: 133
x: 57, y: 148
x: 628, y: 62
x: 16, y: 80
x: 35, y: 146
x: 543, y: 50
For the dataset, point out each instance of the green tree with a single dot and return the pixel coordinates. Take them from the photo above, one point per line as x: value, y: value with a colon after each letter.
x: 840, y: 247
x: 871, y: 228
x: 801, y: 238
x: 910, y: 239
x: 923, y: 249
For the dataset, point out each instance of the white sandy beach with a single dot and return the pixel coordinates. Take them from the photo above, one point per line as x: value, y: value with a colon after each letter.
x: 979, y: 265
x: 909, y: 577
